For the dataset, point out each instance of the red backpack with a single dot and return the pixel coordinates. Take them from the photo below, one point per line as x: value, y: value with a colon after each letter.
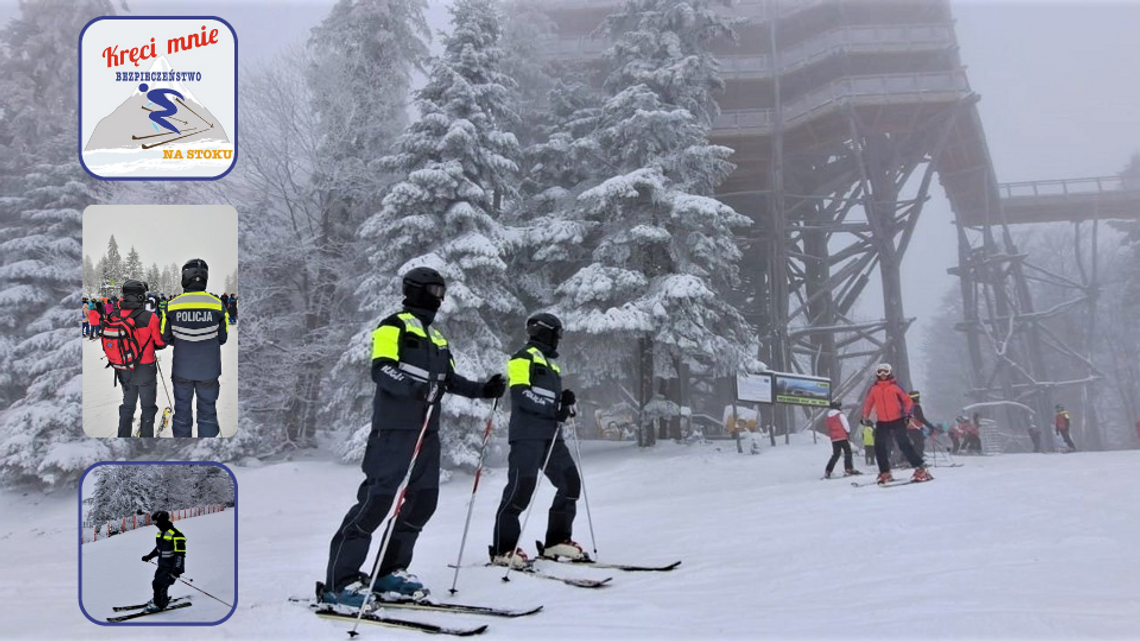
x: 120, y: 340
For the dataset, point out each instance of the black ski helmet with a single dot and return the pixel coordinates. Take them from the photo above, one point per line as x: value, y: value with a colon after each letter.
x: 545, y: 329
x: 161, y: 516
x: 835, y: 405
x: 134, y: 291
x: 195, y: 273
x: 424, y: 288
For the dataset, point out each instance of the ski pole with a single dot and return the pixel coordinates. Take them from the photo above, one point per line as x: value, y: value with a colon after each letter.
x: 474, y: 488
x: 537, y: 483
x: 399, y: 503
x: 169, y: 403
x: 582, y: 478
x: 200, y: 590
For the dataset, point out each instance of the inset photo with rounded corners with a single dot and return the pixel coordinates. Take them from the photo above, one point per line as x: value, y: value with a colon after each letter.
x: 159, y: 317
x: 158, y: 543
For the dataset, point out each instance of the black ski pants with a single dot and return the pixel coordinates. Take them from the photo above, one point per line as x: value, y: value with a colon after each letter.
x: 207, y: 393
x: 139, y: 386
x: 1068, y: 441
x: 896, y: 429
x: 386, y: 460
x: 869, y: 454
x: 840, y: 447
x: 523, y: 465
x: 163, y: 579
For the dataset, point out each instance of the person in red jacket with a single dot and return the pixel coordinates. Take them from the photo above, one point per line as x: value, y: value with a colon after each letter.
x: 839, y: 431
x: 1062, y: 423
x: 94, y: 317
x: 892, y: 407
x: 130, y: 337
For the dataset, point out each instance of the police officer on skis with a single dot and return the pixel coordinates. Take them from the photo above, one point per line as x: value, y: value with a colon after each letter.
x: 538, y: 406
x: 412, y: 367
x: 196, y: 325
x: 170, y: 548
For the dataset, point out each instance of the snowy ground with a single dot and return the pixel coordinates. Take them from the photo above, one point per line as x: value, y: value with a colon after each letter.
x: 114, y: 574
x: 101, y: 399
x: 1017, y: 546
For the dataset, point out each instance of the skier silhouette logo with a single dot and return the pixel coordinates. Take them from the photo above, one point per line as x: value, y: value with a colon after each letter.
x: 158, y: 97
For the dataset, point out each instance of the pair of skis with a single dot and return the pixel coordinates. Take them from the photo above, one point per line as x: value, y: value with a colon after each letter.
x: 373, y: 617
x: 181, y: 602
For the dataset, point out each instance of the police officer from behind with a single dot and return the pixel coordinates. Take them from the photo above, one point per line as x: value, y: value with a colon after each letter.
x: 170, y: 548
x: 538, y: 405
x: 412, y: 367
x: 196, y: 325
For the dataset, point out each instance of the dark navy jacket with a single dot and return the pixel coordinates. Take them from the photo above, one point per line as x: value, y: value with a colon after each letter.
x: 197, y: 325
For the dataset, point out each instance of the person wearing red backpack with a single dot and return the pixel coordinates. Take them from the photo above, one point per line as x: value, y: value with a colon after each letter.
x: 131, y: 334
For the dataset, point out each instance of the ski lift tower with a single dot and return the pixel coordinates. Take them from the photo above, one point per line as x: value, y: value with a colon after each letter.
x: 840, y: 114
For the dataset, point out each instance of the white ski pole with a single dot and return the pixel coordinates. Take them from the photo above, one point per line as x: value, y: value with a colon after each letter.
x: 533, y: 496
x: 395, y: 512
x: 582, y: 478
x: 474, y: 488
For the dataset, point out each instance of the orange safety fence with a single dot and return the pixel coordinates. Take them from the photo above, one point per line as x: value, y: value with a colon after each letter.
x: 91, y: 533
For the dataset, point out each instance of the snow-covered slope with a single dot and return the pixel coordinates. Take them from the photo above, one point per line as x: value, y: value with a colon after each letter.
x: 101, y: 399
x: 1018, y: 546
x: 114, y: 574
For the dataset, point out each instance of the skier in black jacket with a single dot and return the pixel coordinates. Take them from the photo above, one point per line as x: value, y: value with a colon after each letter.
x: 412, y: 367
x: 170, y: 548
x: 538, y: 406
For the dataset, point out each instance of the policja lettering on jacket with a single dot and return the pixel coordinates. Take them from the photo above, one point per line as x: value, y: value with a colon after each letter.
x: 194, y: 317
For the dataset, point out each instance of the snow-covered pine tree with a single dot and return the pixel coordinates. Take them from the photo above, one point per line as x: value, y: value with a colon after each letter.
x: 121, y: 490
x: 175, y: 280
x: 663, y: 254
x: 112, y: 264
x: 43, y: 191
x: 90, y: 277
x: 132, y: 269
x: 459, y: 162
x: 152, y: 277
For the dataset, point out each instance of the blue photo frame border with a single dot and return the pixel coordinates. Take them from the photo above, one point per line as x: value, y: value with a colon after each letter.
x: 79, y: 516
x: 79, y: 111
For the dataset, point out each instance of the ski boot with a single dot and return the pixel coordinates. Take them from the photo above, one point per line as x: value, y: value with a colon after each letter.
x: 345, y: 600
x: 884, y: 478
x: 921, y: 475
x: 151, y: 607
x: 516, y: 561
x: 400, y: 585
x: 568, y: 550
x: 852, y: 472
x: 827, y: 474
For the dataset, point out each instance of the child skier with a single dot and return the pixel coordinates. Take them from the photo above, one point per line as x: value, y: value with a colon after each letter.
x: 840, y: 431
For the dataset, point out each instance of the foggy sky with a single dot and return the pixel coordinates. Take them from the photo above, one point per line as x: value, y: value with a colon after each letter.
x: 1060, y: 99
x: 172, y: 234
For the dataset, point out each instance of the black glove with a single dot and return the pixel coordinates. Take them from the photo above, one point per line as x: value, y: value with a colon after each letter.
x: 495, y: 387
x: 429, y: 392
x: 866, y: 422
x: 568, y: 398
x: 146, y: 558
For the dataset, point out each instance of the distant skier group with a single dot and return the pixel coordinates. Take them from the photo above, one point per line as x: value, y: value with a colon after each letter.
x: 137, y: 324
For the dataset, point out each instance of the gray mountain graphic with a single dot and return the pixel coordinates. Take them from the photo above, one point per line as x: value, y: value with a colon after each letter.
x: 129, y: 125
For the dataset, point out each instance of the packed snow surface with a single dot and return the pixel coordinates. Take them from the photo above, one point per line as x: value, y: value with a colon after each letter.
x: 114, y: 573
x: 1027, y: 546
x: 101, y: 397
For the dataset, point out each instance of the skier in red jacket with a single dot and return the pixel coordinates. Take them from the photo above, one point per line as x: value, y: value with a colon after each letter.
x: 892, y: 407
x: 839, y: 431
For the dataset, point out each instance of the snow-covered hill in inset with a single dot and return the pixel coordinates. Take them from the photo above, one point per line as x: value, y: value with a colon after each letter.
x: 114, y: 574
x: 101, y: 397
x: 1017, y: 546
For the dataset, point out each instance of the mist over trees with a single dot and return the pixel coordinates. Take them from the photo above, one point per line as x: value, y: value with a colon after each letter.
x: 530, y: 186
x: 123, y: 490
